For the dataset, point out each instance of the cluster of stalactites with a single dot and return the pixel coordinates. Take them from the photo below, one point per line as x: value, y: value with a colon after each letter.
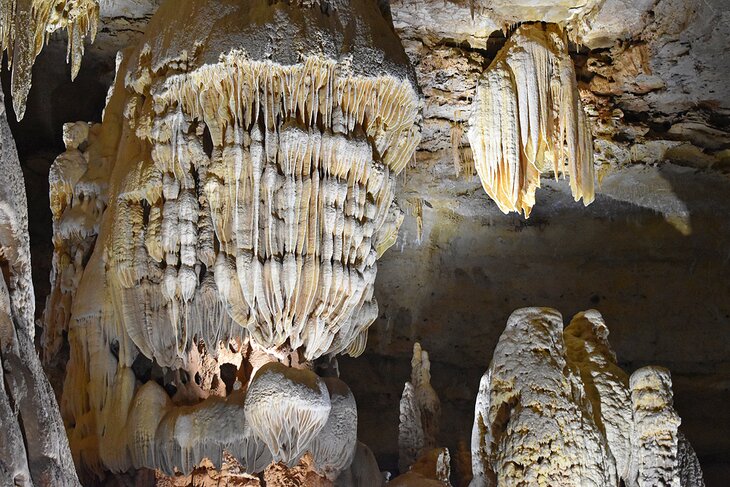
x: 25, y: 26
x: 527, y: 119
x: 265, y: 203
x: 554, y: 408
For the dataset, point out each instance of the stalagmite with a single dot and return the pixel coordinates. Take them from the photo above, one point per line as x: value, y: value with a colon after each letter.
x: 655, y: 438
x: 420, y: 412
x: 532, y: 421
x: 229, y: 209
x: 363, y: 471
x: 286, y: 409
x: 26, y: 26
x: 432, y: 469
x: 33, y: 445
x: 690, y: 471
x: 333, y: 449
x: 555, y: 408
x: 527, y: 118
x: 605, y: 383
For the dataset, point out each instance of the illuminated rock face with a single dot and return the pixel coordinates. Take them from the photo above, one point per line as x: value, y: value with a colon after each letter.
x: 554, y: 408
x: 33, y: 445
x: 229, y: 211
x: 527, y: 118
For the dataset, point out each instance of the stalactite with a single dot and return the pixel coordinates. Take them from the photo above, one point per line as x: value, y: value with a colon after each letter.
x: 25, y: 27
x: 527, y: 119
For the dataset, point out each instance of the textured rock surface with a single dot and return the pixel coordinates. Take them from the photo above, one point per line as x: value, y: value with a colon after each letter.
x: 655, y: 436
x: 33, y: 445
x: 420, y: 412
x: 532, y: 425
x: 519, y: 408
x: 528, y: 119
x: 651, y: 250
x: 605, y: 383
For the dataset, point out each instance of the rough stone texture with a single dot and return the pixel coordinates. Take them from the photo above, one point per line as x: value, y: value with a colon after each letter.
x: 533, y: 422
x: 33, y: 445
x: 655, y: 435
x: 606, y: 384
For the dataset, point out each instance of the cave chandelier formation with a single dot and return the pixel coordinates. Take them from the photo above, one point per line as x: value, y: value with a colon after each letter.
x: 240, y: 190
x: 216, y: 240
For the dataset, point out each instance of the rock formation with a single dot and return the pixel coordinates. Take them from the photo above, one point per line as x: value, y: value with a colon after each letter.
x: 228, y: 213
x: 420, y: 412
x: 34, y: 449
x: 25, y: 27
x: 655, y: 434
x: 532, y: 422
x: 528, y: 119
x: 554, y: 408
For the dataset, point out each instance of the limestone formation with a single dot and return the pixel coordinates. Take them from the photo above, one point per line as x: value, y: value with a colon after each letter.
x: 420, y: 412
x: 363, y: 470
x: 655, y: 438
x: 333, y: 449
x: 555, y: 408
x: 34, y: 449
x: 227, y: 212
x: 532, y: 423
x: 432, y: 469
x: 528, y: 119
x: 606, y: 384
x: 25, y: 27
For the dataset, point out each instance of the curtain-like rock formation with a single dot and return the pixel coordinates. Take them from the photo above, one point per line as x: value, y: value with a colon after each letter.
x: 33, y: 445
x: 228, y: 212
x: 527, y: 118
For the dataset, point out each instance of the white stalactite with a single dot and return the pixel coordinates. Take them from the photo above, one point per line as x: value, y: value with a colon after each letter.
x: 527, y: 119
